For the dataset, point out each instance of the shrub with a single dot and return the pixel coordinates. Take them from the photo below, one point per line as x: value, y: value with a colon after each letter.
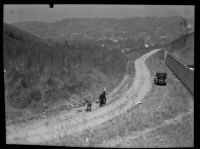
x: 19, y: 98
x: 26, y: 102
x: 35, y: 94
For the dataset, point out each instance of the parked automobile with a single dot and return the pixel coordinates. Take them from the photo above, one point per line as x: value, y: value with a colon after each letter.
x: 160, y: 78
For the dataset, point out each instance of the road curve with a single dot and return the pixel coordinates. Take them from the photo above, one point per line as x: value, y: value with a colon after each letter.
x: 121, y: 99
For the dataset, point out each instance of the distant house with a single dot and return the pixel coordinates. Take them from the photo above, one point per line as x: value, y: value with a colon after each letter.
x: 163, y: 37
x: 125, y: 50
x: 115, y: 40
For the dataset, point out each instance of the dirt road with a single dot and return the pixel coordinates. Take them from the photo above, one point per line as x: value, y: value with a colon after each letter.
x: 122, y: 98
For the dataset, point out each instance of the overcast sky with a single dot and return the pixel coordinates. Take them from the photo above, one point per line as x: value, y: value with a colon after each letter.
x: 18, y: 13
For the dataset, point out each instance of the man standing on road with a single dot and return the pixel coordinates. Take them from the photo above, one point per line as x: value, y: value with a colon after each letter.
x: 102, y: 98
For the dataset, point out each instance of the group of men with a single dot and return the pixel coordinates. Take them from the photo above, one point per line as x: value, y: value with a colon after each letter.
x: 102, y: 101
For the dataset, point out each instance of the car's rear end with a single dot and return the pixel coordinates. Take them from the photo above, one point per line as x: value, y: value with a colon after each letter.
x: 160, y: 79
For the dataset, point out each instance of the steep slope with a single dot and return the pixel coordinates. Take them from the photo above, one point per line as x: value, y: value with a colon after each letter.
x: 183, y: 48
x: 15, y: 33
x: 38, y: 74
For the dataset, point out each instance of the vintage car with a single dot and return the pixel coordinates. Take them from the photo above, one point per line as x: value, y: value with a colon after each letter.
x: 160, y: 78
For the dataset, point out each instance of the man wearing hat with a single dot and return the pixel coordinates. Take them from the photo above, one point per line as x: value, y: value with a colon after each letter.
x: 102, y: 98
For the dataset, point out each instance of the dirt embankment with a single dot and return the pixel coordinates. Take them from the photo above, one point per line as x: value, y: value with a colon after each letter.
x: 185, y: 75
x: 183, y: 48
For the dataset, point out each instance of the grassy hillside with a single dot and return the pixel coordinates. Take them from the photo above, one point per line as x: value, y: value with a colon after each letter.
x: 37, y: 73
x: 183, y: 48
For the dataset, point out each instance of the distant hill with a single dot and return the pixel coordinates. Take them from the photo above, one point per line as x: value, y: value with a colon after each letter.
x: 17, y: 34
x: 183, y: 48
x: 18, y: 43
x: 155, y: 26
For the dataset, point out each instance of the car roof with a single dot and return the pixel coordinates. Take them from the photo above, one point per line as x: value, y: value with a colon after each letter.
x: 161, y: 73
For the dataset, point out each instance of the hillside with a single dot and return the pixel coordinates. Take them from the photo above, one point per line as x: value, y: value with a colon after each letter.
x: 57, y: 75
x: 183, y: 48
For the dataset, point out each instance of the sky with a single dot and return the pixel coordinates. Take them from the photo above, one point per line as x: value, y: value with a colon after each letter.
x: 43, y: 13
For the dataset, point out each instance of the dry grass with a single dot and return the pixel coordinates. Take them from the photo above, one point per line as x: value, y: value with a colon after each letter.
x: 179, y: 133
x: 161, y: 104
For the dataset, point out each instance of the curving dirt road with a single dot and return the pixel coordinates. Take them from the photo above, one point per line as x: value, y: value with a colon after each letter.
x: 124, y: 97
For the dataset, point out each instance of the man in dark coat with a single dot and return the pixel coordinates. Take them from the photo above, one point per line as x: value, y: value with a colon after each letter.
x: 102, y: 98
